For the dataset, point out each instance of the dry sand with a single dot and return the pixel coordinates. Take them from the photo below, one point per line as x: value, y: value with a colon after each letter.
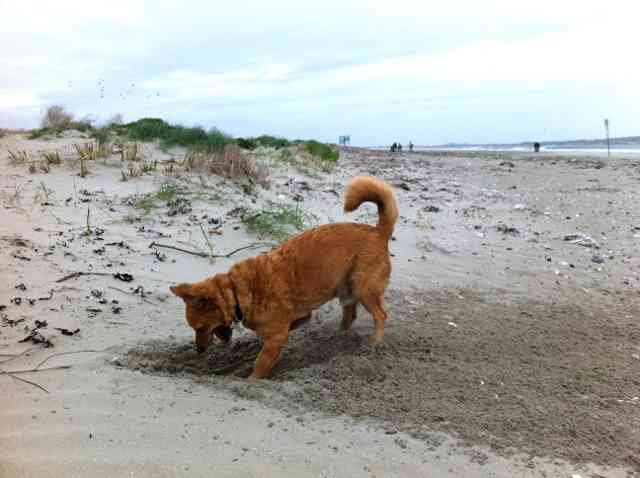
x: 510, y: 351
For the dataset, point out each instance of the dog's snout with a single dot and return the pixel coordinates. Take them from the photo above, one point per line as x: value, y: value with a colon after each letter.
x: 200, y: 349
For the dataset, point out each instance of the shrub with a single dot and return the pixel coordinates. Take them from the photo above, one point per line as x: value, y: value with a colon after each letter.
x: 56, y: 117
x: 84, y: 125
x: 39, y: 132
x: 149, y: 129
x: 264, y: 140
x: 101, y: 135
x: 146, y: 129
x: 247, y: 143
x: 321, y: 150
x: 272, y: 141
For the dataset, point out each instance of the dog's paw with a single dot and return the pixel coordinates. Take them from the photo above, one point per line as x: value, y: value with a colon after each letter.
x: 376, y: 342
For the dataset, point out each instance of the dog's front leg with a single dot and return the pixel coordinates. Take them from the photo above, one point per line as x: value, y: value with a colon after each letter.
x: 269, y: 355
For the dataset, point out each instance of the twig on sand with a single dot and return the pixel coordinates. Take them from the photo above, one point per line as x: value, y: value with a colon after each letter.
x: 73, y: 275
x: 132, y: 293
x: 31, y: 370
x: 13, y: 373
x: 204, y: 254
x: 208, y: 241
x: 37, y: 385
x: 18, y: 355
x: 37, y: 367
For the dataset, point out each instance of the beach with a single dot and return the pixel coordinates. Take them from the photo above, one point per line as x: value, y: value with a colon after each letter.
x: 512, y: 345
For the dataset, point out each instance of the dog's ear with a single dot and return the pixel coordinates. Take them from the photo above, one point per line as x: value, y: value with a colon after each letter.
x: 223, y: 296
x: 193, y: 297
x: 182, y: 290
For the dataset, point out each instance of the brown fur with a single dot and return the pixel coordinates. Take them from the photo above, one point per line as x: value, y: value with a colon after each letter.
x: 277, y: 291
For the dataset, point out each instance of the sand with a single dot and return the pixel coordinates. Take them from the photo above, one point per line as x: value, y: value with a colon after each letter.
x: 510, y: 351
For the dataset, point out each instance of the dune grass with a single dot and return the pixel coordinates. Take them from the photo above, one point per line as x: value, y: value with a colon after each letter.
x: 321, y: 150
x: 278, y: 221
x: 57, y: 119
x: 149, y: 129
x: 266, y: 141
x: 167, y: 192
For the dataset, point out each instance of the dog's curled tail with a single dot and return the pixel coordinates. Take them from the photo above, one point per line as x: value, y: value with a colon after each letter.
x: 365, y: 188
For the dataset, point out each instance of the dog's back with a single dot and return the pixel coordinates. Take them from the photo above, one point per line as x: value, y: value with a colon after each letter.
x: 332, y: 260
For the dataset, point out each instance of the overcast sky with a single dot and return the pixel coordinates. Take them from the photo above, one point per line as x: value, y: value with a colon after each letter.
x: 430, y: 72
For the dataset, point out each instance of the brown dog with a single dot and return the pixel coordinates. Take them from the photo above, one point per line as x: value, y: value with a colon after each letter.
x: 276, y: 291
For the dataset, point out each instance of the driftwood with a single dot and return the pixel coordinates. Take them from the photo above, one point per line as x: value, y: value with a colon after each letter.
x: 73, y: 275
x: 204, y: 254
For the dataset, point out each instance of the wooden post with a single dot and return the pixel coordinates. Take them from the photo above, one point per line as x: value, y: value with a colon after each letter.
x: 606, y: 127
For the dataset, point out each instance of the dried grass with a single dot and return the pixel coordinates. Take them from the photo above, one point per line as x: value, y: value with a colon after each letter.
x: 230, y: 163
x: 18, y: 157
x: 128, y: 152
x: 87, y: 152
x: 52, y: 157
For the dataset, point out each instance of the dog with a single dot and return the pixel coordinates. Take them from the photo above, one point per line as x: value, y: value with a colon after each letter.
x: 276, y: 292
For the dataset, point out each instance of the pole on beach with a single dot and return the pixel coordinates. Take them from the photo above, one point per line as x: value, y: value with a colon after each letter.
x: 606, y: 127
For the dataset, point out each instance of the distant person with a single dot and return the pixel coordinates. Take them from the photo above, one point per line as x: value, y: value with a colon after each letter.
x: 536, y: 147
x: 410, y: 146
x: 399, y: 147
x: 393, y: 147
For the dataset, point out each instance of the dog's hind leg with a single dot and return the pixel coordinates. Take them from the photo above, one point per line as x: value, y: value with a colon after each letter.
x: 270, y: 354
x: 374, y: 305
x: 348, y: 316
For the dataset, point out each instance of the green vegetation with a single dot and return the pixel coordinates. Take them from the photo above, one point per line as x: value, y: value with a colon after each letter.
x: 146, y: 203
x: 279, y: 221
x: 39, y: 132
x: 149, y: 129
x: 101, y: 135
x: 57, y: 119
x: 167, y: 192
x: 321, y: 150
x: 266, y: 141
